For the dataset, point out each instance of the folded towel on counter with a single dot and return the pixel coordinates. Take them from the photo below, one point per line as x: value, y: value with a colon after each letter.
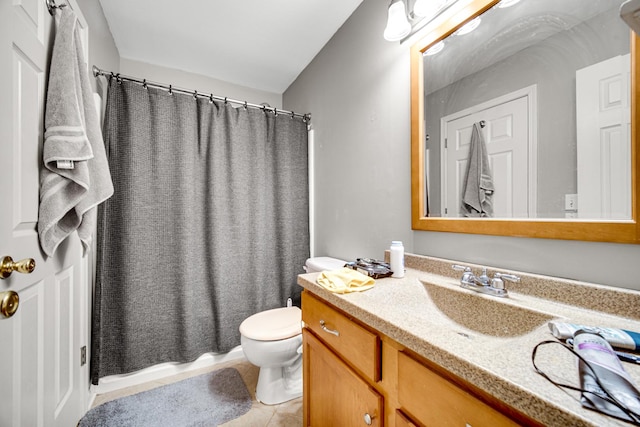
x: 344, y: 280
x: 75, y: 177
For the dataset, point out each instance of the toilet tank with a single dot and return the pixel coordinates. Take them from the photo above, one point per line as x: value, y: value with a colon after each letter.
x: 322, y: 263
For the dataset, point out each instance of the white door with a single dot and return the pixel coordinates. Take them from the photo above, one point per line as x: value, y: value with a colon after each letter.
x: 41, y: 345
x: 603, y: 120
x: 508, y: 139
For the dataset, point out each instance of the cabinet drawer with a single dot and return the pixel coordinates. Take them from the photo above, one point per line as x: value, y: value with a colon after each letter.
x: 357, y: 345
x: 334, y: 394
x: 435, y: 401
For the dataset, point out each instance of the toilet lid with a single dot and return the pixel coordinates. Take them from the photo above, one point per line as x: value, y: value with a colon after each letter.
x: 323, y: 263
x: 272, y: 325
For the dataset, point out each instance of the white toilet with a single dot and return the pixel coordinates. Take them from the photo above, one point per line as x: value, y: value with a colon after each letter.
x: 272, y: 340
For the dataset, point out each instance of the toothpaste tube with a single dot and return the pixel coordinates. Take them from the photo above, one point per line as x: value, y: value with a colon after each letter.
x: 618, y: 338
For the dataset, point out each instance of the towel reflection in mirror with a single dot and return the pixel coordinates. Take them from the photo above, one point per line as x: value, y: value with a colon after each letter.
x: 477, y: 186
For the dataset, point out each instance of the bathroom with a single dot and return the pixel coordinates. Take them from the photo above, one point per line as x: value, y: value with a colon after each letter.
x: 358, y: 90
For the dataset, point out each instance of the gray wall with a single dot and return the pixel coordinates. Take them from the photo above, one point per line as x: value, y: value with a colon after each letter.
x: 357, y: 89
x: 103, y: 52
x: 192, y: 81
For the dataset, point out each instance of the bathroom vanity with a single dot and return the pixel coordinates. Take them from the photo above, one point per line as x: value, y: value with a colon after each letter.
x: 421, y: 351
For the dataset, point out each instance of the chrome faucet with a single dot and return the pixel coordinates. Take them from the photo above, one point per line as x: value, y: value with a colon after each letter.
x: 483, y: 283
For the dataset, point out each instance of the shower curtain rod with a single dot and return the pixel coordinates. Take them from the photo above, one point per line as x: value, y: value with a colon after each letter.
x: 144, y: 82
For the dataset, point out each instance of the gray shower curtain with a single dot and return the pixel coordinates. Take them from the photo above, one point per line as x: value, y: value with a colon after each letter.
x: 208, y: 224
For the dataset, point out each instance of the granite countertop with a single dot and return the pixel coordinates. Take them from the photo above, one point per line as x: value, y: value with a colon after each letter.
x: 418, y: 311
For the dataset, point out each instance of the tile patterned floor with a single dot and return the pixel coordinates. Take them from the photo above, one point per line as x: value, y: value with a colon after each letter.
x: 288, y: 414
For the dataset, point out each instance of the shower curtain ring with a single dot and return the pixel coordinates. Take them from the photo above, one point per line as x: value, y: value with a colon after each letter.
x: 211, y: 99
x: 225, y: 100
x: 292, y: 115
x: 195, y: 94
x: 275, y: 112
x: 144, y: 83
x: 245, y: 105
x: 170, y: 90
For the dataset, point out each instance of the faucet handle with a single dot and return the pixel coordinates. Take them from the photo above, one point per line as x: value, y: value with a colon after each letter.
x: 467, y: 276
x: 498, y: 283
x: 509, y: 277
x: 459, y: 267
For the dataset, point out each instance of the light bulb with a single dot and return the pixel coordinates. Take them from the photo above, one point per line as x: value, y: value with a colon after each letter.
x: 427, y: 8
x: 434, y: 49
x: 468, y: 27
x: 398, y: 25
x: 507, y: 3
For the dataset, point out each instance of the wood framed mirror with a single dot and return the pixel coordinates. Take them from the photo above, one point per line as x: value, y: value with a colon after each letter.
x: 623, y: 229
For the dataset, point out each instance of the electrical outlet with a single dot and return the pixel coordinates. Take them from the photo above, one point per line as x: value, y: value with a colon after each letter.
x: 571, y: 202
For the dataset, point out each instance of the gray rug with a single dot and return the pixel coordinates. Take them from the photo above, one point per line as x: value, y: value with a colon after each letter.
x: 205, y: 400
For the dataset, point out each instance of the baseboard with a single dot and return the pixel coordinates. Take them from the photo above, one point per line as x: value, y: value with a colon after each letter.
x: 158, y: 372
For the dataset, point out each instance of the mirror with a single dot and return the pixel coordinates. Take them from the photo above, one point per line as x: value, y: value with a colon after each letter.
x: 528, y: 77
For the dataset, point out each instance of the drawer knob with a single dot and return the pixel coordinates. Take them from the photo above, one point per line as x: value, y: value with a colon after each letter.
x: 331, y: 331
x: 368, y: 419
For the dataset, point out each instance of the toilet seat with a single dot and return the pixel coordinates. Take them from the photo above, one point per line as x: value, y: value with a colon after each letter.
x: 273, y: 325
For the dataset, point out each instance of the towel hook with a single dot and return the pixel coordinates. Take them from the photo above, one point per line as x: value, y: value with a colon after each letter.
x: 52, y: 6
x: 482, y: 123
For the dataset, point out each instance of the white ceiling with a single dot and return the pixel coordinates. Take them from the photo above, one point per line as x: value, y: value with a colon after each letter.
x: 261, y: 44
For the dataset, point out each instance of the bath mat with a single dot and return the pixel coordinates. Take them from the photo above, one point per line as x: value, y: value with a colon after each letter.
x: 205, y: 400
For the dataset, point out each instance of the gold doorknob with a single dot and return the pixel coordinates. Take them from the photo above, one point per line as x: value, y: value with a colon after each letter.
x: 9, y: 302
x: 8, y: 266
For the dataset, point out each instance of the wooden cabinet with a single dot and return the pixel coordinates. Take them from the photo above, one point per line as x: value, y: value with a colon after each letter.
x: 334, y: 395
x: 403, y: 421
x: 341, y: 360
x: 356, y: 376
x: 435, y: 401
x: 355, y: 344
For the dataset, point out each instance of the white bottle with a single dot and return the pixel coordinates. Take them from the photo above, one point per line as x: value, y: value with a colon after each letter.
x: 397, y: 259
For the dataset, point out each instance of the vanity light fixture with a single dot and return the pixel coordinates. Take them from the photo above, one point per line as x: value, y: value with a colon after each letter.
x: 427, y: 8
x: 398, y: 25
x: 401, y: 22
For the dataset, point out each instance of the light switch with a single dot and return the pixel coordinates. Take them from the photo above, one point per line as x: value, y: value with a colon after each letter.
x: 571, y: 202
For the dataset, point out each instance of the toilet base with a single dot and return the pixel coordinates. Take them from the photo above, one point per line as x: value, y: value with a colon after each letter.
x: 280, y: 384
